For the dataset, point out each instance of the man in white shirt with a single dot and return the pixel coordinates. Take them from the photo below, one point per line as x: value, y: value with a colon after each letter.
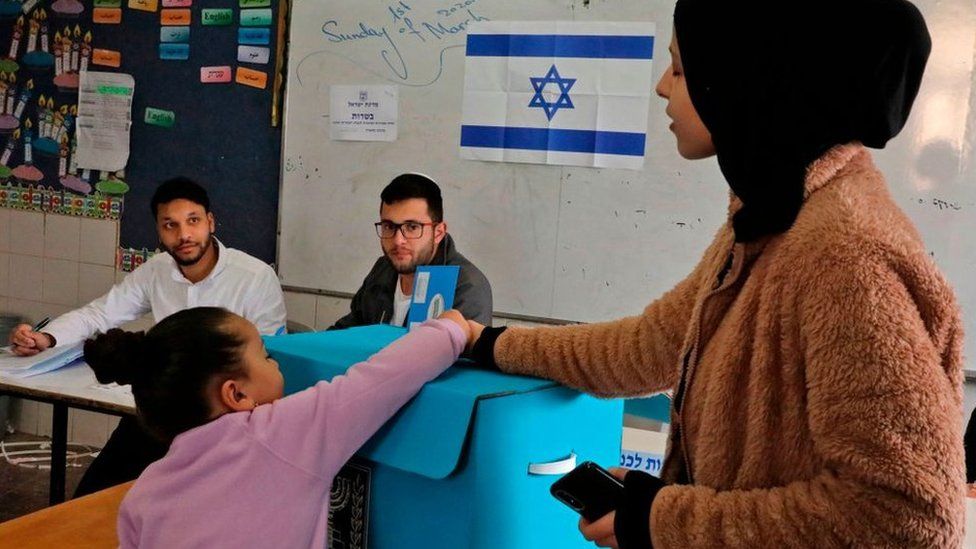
x: 197, y: 270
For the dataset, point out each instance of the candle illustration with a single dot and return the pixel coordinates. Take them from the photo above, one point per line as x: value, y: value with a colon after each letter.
x: 28, y: 146
x: 15, y: 38
x: 4, y: 86
x: 44, y: 31
x: 12, y: 96
x: 75, y: 48
x: 58, y: 124
x: 41, y: 105
x: 28, y: 173
x: 25, y: 94
x: 65, y: 122
x: 35, y: 27
x: 9, y: 149
x: 63, y: 161
x: 58, y: 59
x: 73, y: 164
x: 71, y: 180
x: 86, y: 51
x: 49, y: 118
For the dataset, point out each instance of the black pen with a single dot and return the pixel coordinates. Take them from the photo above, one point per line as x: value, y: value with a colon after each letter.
x: 44, y: 322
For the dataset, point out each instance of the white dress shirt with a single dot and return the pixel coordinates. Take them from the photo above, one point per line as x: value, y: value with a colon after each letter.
x: 239, y: 283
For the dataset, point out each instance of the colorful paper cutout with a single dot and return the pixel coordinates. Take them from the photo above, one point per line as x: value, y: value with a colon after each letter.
x: 144, y: 5
x: 174, y: 52
x: 215, y: 75
x: 254, y: 37
x: 107, y: 16
x: 43, y: 199
x: 112, y: 187
x: 67, y: 9
x: 108, y: 3
x: 256, y: 18
x: 255, y: 3
x: 159, y: 117
x: 217, y: 17
x: 252, y: 54
x: 175, y: 17
x: 253, y: 78
x: 177, y: 3
x: 174, y: 34
x: 107, y: 58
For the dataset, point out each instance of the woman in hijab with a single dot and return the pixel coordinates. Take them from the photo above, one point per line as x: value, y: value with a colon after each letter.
x: 815, y: 351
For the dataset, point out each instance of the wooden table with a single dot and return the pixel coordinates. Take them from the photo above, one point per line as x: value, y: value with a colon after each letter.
x: 84, y: 522
x: 70, y: 387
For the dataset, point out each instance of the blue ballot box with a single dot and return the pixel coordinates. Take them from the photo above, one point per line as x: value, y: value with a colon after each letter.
x: 466, y: 464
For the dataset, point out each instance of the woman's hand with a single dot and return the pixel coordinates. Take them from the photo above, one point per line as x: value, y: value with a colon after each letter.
x: 456, y: 317
x: 476, y: 330
x: 602, y: 532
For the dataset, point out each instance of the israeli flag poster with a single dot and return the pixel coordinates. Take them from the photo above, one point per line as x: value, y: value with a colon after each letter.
x: 433, y: 292
x: 565, y: 92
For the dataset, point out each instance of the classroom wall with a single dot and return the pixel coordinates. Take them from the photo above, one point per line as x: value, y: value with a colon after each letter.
x: 50, y: 264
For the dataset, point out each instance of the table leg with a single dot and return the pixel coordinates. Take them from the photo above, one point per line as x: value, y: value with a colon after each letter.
x: 59, y: 451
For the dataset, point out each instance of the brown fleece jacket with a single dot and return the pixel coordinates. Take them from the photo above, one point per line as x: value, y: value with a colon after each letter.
x: 818, y: 388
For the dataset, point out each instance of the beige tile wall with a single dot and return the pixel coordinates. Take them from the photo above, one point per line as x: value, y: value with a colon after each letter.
x: 50, y: 264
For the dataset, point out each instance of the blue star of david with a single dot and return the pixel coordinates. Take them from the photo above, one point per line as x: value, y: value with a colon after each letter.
x: 539, y: 84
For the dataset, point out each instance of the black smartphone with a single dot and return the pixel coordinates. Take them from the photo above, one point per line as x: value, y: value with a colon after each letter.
x: 590, y: 490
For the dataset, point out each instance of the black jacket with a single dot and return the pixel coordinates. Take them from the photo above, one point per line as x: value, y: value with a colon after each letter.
x: 970, y: 445
x: 373, y: 303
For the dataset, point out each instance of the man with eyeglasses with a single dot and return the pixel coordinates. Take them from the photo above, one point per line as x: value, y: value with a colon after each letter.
x: 412, y: 232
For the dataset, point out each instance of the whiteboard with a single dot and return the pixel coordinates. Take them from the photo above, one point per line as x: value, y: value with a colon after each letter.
x: 568, y: 243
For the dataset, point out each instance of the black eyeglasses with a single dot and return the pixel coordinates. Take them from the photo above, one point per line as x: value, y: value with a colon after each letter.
x: 409, y: 229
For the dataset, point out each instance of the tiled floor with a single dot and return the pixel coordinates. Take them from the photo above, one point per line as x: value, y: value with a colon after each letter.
x: 24, y: 490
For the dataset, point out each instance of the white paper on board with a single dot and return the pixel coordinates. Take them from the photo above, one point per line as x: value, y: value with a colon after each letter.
x: 104, y: 120
x: 363, y: 113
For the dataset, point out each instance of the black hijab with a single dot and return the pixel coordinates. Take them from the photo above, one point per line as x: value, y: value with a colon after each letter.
x: 779, y: 83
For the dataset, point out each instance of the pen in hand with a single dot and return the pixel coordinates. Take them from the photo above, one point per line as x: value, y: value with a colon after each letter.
x: 40, y: 325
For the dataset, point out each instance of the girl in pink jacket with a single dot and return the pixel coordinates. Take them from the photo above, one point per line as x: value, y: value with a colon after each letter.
x: 247, y: 468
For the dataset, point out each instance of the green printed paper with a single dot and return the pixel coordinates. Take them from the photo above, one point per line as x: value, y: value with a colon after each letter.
x: 159, y: 117
x: 255, y: 3
x: 256, y: 18
x: 115, y: 90
x: 108, y: 3
x: 217, y: 17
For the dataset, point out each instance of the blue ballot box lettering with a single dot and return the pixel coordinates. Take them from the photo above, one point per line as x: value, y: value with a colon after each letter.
x: 465, y: 463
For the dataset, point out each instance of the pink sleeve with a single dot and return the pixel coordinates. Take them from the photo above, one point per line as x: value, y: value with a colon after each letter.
x: 320, y: 428
x: 126, y: 531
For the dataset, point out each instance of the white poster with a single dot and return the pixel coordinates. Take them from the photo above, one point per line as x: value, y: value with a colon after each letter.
x: 561, y: 92
x: 104, y: 120
x: 364, y: 113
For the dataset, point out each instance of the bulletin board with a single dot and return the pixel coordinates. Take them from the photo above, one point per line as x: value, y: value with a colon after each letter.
x: 219, y: 133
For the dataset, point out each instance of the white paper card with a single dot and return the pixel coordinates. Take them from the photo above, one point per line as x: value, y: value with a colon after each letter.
x: 364, y: 113
x: 253, y: 54
x: 104, y: 120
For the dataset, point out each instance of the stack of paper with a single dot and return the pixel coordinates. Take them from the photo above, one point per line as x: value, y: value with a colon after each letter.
x: 45, y: 361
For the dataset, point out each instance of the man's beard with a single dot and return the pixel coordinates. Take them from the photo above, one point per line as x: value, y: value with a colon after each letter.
x: 192, y: 260
x: 411, y: 267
